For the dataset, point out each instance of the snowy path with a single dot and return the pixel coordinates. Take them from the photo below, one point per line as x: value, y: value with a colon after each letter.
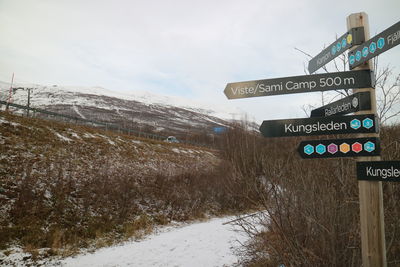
x: 202, y: 244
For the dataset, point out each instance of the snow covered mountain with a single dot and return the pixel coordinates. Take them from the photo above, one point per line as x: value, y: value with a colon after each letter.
x: 143, y: 111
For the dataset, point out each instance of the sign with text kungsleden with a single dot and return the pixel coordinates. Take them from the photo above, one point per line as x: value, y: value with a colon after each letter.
x: 320, y: 126
x: 352, y: 147
x: 356, y: 102
x: 353, y: 37
x: 380, y: 43
x: 379, y: 171
x: 300, y: 84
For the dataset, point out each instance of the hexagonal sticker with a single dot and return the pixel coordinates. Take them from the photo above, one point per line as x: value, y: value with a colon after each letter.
x: 308, y: 149
x: 320, y: 149
x: 332, y: 148
x: 368, y: 123
x: 344, y: 148
x: 369, y: 146
x: 381, y: 42
x: 372, y: 47
x: 358, y: 55
x: 352, y: 59
x: 338, y: 46
x: 356, y: 147
x: 344, y: 42
x: 349, y: 38
x: 355, y: 124
x: 365, y: 52
x: 333, y: 50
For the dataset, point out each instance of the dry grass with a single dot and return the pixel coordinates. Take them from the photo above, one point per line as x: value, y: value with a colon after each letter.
x: 64, y: 186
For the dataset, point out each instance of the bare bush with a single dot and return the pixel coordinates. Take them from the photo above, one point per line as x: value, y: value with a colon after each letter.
x: 310, y: 209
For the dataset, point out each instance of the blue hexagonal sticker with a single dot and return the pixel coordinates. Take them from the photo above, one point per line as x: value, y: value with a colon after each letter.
x: 308, y: 149
x: 381, y: 42
x: 372, y: 47
x: 321, y: 149
x: 365, y: 52
x: 358, y: 55
x: 355, y: 124
x: 369, y: 146
x: 368, y: 123
x: 352, y: 59
x: 344, y: 42
x: 333, y: 50
x: 338, y: 46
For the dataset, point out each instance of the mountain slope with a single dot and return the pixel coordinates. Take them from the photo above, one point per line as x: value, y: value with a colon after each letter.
x: 142, y: 111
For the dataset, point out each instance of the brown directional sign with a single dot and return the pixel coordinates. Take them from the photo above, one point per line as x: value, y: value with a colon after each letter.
x: 320, y: 126
x: 380, y: 43
x: 356, y: 102
x: 354, y: 147
x: 353, y: 37
x: 300, y: 84
x: 379, y: 171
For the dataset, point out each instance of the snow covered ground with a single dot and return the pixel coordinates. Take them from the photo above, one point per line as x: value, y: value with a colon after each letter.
x: 207, y: 243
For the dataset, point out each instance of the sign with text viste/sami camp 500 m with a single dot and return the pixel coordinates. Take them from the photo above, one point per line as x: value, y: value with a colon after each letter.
x: 300, y: 84
x: 353, y: 37
x: 379, y: 171
x: 353, y: 147
x: 320, y: 126
x: 356, y: 102
x: 380, y: 43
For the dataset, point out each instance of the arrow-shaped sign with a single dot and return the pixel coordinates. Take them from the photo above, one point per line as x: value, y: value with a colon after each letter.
x: 356, y: 102
x: 353, y: 37
x: 320, y: 126
x: 379, y: 171
x: 380, y: 43
x: 300, y: 84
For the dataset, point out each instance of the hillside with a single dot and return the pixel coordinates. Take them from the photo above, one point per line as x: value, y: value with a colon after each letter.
x: 63, y: 185
x: 141, y: 111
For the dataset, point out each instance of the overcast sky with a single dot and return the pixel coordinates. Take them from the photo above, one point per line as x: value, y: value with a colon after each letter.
x: 179, y: 47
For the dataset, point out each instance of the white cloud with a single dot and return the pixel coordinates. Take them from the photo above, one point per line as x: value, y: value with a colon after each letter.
x: 189, y: 48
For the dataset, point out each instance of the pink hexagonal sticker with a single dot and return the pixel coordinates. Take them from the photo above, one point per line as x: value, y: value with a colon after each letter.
x: 332, y: 148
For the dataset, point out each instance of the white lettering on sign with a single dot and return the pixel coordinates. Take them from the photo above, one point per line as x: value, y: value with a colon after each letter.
x: 391, y: 39
x: 321, y: 60
x: 254, y: 90
x: 384, y: 173
x: 336, y: 109
x: 309, y: 128
x: 300, y: 85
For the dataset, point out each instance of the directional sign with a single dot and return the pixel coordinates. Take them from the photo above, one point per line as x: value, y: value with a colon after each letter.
x: 320, y: 126
x: 387, y: 39
x: 356, y: 102
x: 300, y: 84
x: 353, y: 37
x: 354, y: 147
x: 379, y: 171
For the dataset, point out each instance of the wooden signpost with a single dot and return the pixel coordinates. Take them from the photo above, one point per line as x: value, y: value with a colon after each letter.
x: 366, y: 147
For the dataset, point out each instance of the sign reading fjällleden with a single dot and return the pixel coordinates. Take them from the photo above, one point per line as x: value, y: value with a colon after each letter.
x: 380, y: 43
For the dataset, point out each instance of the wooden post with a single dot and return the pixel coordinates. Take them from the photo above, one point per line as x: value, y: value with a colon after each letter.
x: 373, y: 245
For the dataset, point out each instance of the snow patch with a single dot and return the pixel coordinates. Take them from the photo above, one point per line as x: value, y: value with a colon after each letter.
x: 208, y: 243
x: 61, y: 137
